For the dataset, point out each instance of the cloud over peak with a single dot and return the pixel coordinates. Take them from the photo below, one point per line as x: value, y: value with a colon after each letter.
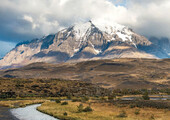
x: 26, y: 19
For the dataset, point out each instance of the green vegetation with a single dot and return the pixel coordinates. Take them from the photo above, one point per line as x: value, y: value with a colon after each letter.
x: 85, y: 99
x: 87, y: 109
x: 29, y: 88
x: 58, y: 101
x: 143, y: 103
x: 152, y: 117
x: 88, y: 101
x: 146, y: 96
x: 122, y: 114
x: 64, y: 103
x: 137, y: 112
x: 16, y: 87
x: 80, y: 108
x: 101, y: 111
x: 65, y: 114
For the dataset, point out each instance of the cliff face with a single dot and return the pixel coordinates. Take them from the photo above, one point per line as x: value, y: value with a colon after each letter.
x: 81, y: 42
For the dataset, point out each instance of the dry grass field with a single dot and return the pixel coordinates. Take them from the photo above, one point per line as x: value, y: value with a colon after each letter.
x: 103, y: 111
x: 20, y: 103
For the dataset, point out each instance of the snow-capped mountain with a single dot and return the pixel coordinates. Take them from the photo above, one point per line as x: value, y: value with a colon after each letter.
x: 83, y: 41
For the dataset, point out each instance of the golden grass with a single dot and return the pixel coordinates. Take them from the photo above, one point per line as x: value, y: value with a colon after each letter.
x: 20, y: 103
x: 102, y: 111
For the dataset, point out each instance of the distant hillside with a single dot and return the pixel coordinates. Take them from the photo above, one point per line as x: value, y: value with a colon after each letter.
x: 113, y: 73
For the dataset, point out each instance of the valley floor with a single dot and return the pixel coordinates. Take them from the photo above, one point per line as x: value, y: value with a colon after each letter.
x: 103, y: 111
x: 94, y: 108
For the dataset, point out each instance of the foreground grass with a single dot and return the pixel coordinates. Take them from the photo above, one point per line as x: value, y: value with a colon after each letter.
x: 102, y: 111
x: 20, y: 103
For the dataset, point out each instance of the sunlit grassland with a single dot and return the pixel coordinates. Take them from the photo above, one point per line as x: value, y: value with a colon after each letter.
x: 102, y: 111
x: 20, y: 103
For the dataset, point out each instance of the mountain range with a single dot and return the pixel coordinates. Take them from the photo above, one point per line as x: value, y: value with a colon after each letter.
x: 87, y: 41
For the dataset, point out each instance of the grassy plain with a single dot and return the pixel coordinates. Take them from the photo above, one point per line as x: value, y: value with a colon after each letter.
x: 103, y: 111
x: 20, y: 103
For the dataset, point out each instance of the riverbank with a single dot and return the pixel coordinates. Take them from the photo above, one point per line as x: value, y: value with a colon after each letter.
x: 30, y: 112
x: 22, y: 110
x: 6, y: 105
x: 102, y: 111
x: 20, y: 103
x: 5, y: 114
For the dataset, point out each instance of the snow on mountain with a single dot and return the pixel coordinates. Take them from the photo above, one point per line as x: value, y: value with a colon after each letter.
x: 83, y: 41
x: 81, y: 29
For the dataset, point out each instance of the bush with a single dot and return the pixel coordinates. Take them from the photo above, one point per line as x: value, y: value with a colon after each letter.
x: 64, y: 103
x: 137, y: 112
x: 85, y: 99
x: 132, y: 106
x: 80, y: 108
x: 58, y: 101
x: 69, y: 96
x: 87, y: 109
x: 146, y: 96
x: 65, y: 114
x: 76, y: 100
x: 110, y: 98
x: 103, y: 99
x: 122, y: 114
x: 152, y: 117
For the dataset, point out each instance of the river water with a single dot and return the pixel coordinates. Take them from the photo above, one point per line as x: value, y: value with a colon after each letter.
x: 30, y: 113
x: 152, y: 97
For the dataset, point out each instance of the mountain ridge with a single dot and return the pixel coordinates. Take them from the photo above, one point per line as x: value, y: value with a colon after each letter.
x: 83, y: 41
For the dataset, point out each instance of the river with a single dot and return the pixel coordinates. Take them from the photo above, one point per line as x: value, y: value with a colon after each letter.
x: 31, y: 113
x: 152, y: 97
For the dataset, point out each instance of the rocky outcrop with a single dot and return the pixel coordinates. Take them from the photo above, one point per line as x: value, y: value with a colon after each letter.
x: 83, y: 41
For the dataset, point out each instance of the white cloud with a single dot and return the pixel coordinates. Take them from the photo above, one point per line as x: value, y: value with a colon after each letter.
x: 35, y: 18
x: 62, y: 2
x: 28, y: 18
x: 151, y: 16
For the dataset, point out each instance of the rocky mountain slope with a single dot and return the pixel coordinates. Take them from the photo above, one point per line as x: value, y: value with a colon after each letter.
x: 85, y: 41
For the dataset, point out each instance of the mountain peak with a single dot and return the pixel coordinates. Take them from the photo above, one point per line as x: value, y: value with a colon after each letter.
x: 83, y: 41
x: 112, y: 29
x: 81, y: 29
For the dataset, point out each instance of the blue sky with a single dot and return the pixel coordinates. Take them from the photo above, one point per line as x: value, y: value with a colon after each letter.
x: 119, y: 2
x: 22, y: 20
x: 5, y: 47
